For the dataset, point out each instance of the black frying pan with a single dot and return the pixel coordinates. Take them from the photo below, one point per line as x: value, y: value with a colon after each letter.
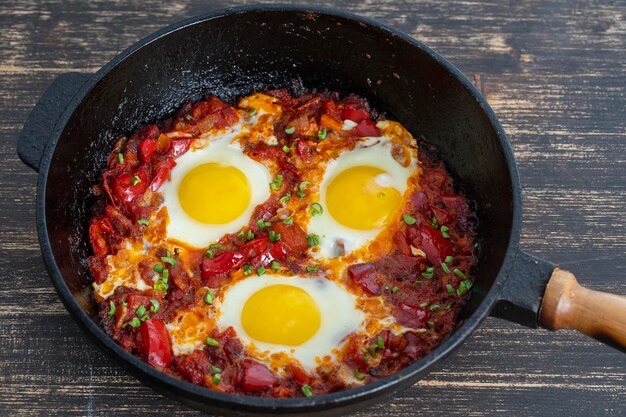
x: 233, y: 52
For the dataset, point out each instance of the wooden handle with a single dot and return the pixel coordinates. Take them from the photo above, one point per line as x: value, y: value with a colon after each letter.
x: 567, y: 305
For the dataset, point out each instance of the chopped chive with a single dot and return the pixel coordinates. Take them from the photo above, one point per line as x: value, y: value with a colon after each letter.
x: 290, y: 130
x: 366, y: 359
x: 247, y: 269
x: 321, y: 134
x: 145, y: 222
x: 155, y: 305
x: 212, y: 342
x: 215, y: 246
x: 450, y: 289
x: 252, y: 111
x: 208, y: 297
x: 274, y: 237
x: 249, y: 235
x: 363, y: 350
x: 284, y: 198
x: 275, y: 265
x: 286, y: 149
x: 217, y: 378
x: 166, y: 274
x: 111, y: 309
x: 448, y: 259
x: 409, y: 220
x: 423, y: 305
x: 431, y: 323
x: 434, y: 307
x: 169, y: 260
x: 216, y: 369
x: 260, y: 271
x: 316, y: 209
x: 209, y: 253
x: 301, y: 194
x: 358, y: 375
x: 448, y: 307
x: 307, y: 391
x: 288, y: 220
x: 380, y: 342
x: 141, y: 310
x: 120, y: 158
x: 144, y: 317
x: 445, y: 268
x: 241, y: 235
x: 136, y: 180
x: 430, y: 271
x: 135, y: 322
x: 263, y: 224
x: 464, y: 287
x: 313, y: 268
x: 313, y: 240
x: 123, y: 303
x: 434, y: 223
x: 278, y: 181
x: 459, y: 273
x: 302, y: 186
x: 444, y: 232
x: 394, y: 289
x: 418, y: 283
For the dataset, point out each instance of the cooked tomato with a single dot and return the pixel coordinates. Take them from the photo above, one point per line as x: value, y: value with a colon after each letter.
x: 256, y: 377
x: 222, y: 264
x: 432, y: 242
x: 154, y: 343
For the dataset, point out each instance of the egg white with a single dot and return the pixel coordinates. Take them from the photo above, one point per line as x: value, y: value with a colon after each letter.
x: 338, y: 312
x: 335, y: 238
x: 221, y: 149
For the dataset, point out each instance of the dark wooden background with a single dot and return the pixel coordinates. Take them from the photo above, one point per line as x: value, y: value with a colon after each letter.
x: 554, y: 72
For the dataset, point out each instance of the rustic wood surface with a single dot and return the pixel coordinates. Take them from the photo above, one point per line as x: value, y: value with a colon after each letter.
x: 555, y: 73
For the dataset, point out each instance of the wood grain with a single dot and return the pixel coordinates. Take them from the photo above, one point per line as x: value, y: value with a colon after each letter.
x: 554, y: 72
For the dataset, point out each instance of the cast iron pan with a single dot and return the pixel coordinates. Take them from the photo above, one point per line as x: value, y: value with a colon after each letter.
x: 236, y: 51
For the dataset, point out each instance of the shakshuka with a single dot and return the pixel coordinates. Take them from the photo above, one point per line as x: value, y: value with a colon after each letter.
x: 286, y: 246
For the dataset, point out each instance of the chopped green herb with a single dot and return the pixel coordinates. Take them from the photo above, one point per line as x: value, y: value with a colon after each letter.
x: 312, y: 268
x: 288, y: 220
x: 445, y: 268
x: 444, y: 232
x: 274, y: 237
x: 144, y: 317
x: 145, y: 222
x: 155, y: 305
x: 430, y: 271
x: 409, y: 220
x: 430, y: 323
x: 158, y: 268
x: 278, y: 181
x: 120, y: 158
x: 263, y: 224
x: 215, y: 369
x: 111, y: 309
x: 210, y: 253
x: 434, y: 307
x: 249, y: 235
x: 217, y: 378
x: 434, y: 223
x: 464, y: 287
x: 141, y: 310
x: 123, y: 303
x: 366, y: 359
x: 208, y: 297
x: 307, y: 391
x: 166, y: 274
x: 423, y: 305
x: 448, y: 307
x: 247, y: 269
x: 169, y: 260
x: 394, y: 289
x: 215, y: 246
x: 459, y: 273
x: 321, y: 134
x: 286, y: 149
x: 418, y: 283
x: 316, y: 209
x: 448, y: 259
x: 284, y: 198
x: 450, y: 289
x: 275, y: 265
x: 136, y: 180
x: 160, y: 285
x: 252, y: 111
x: 135, y: 322
x: 260, y: 271
x: 380, y: 342
x: 301, y: 194
x: 241, y: 235
x: 290, y: 130
x: 212, y: 342
x: 302, y: 186
x: 313, y: 240
x: 358, y: 375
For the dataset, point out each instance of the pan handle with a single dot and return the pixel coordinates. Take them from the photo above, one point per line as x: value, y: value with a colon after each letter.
x: 44, y: 116
x: 538, y: 294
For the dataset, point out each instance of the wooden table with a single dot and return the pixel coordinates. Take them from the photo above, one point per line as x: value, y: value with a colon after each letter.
x: 554, y: 72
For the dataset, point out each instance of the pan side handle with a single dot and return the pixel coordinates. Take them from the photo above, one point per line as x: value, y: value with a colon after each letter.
x: 45, y: 115
x: 568, y: 305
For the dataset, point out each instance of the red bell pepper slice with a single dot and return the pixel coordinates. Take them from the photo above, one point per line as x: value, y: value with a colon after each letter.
x: 365, y: 276
x: 276, y: 252
x: 291, y: 235
x: 256, y: 377
x: 128, y: 186
x: 254, y: 247
x: 435, y: 246
x: 154, y: 343
x: 356, y: 115
x: 146, y: 149
x: 162, y: 173
x: 411, y: 315
x: 179, y: 146
x: 222, y: 264
x: 366, y: 128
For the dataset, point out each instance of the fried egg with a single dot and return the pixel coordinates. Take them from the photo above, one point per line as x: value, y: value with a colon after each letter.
x: 213, y: 191
x: 361, y: 191
x: 280, y: 319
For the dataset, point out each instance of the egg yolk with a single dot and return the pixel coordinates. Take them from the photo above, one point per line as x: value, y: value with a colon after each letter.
x: 358, y: 198
x: 282, y: 315
x: 213, y: 193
